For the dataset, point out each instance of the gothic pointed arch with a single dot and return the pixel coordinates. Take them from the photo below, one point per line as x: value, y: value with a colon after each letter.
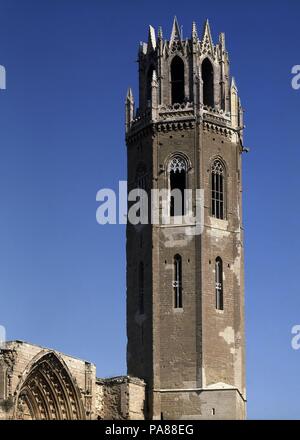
x: 177, y: 159
x: 48, y: 392
x: 177, y: 80
x: 178, y: 165
x: 207, y: 72
x: 218, y: 188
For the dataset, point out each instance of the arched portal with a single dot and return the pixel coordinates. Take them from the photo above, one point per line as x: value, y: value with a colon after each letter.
x: 49, y: 392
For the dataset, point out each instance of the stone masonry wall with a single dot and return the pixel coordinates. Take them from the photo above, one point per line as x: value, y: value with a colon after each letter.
x: 120, y: 398
x: 16, y: 361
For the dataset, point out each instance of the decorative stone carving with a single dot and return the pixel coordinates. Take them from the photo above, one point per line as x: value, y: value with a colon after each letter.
x: 49, y: 392
x: 7, y: 362
x: 177, y: 164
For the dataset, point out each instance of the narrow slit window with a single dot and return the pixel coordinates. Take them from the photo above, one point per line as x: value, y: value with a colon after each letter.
x: 141, y: 288
x: 141, y: 179
x: 177, y: 283
x: 217, y: 190
x: 219, y: 284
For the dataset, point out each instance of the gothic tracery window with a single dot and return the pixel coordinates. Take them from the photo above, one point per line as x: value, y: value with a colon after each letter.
x: 217, y: 190
x: 177, y: 183
x: 219, y: 283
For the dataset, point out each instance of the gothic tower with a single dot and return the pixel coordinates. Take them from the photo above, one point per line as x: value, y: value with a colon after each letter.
x: 185, y: 289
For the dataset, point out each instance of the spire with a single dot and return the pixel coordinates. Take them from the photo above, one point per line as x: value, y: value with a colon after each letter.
x: 222, y: 40
x: 175, y: 34
x: 142, y: 48
x: 154, y: 79
x: 233, y: 84
x: 129, y: 96
x: 129, y: 109
x: 207, y: 45
x: 206, y: 30
x: 151, y: 39
x: 160, y: 33
x: 241, y: 114
x: 234, y: 104
x: 154, y: 96
x: 194, y: 32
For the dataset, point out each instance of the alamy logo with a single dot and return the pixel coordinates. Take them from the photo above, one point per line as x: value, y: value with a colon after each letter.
x: 2, y: 336
x: 156, y: 207
x: 2, y: 78
x: 296, y: 78
x: 296, y: 338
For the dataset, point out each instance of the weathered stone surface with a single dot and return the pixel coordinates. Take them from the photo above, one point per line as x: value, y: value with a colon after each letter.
x: 37, y: 383
x: 192, y: 358
x: 42, y: 383
x: 122, y: 398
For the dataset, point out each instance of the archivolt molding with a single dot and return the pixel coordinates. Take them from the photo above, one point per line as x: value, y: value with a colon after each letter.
x: 48, y: 392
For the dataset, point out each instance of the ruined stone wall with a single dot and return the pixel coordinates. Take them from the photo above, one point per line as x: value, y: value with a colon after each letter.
x: 16, y: 362
x: 120, y: 398
x: 136, y: 399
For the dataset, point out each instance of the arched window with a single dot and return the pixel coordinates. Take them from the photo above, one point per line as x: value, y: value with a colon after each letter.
x: 177, y: 283
x: 141, y: 288
x: 208, y: 83
x: 177, y: 184
x: 219, y: 283
x: 177, y: 80
x: 149, y: 81
x: 217, y: 190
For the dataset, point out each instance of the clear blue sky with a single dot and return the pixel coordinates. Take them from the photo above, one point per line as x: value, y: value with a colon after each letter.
x: 62, y: 276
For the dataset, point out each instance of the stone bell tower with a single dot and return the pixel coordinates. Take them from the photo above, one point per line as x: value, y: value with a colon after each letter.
x: 185, y: 291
